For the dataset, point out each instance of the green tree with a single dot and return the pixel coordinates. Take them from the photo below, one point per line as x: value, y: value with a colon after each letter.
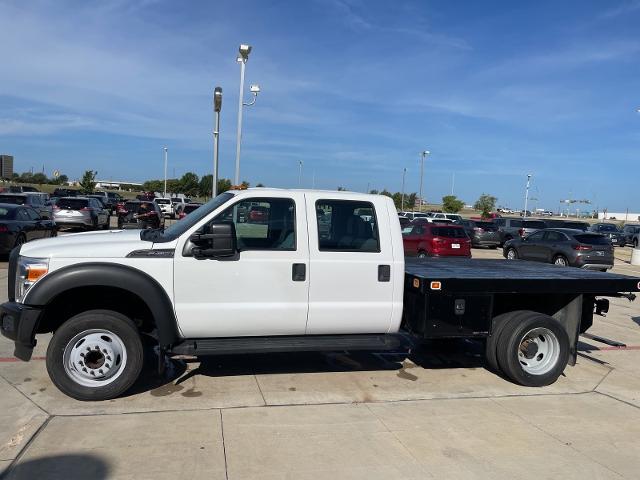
x: 260, y: 185
x: 342, y: 189
x: 451, y: 204
x: 88, y: 182
x: 189, y: 184
x: 62, y: 179
x: 26, y: 177
x: 39, y: 178
x: 486, y: 204
x: 374, y: 192
x: 204, y: 186
x: 153, y: 186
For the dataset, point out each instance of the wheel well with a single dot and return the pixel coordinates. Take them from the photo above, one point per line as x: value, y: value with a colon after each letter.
x: 80, y: 299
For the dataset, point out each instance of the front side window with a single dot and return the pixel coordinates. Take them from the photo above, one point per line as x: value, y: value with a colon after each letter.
x: 262, y: 223
x: 347, y: 226
x: 535, y: 237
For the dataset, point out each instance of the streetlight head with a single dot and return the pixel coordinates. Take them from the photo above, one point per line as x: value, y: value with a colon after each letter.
x: 244, y: 52
x: 217, y: 99
x: 426, y: 152
x: 255, y: 89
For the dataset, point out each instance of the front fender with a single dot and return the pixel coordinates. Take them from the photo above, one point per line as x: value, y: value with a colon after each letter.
x: 110, y: 275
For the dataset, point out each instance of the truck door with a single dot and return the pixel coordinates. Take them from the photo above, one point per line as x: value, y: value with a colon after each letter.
x: 264, y: 291
x: 351, y: 265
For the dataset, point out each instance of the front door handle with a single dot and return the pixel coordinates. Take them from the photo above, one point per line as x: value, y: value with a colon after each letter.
x: 299, y: 272
x: 384, y: 273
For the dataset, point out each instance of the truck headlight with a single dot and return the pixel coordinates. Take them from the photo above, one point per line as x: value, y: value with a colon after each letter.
x: 29, y: 271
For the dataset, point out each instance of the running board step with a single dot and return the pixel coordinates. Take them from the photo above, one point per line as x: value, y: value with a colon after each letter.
x: 301, y: 343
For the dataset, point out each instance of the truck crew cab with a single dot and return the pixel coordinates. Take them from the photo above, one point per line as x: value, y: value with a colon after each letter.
x: 315, y: 270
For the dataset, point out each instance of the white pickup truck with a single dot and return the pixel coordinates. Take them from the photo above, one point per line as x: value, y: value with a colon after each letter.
x: 269, y: 270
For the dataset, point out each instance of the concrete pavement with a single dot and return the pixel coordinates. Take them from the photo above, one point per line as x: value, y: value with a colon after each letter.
x: 439, y: 414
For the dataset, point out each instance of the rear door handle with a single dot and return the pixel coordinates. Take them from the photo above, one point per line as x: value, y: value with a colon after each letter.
x: 384, y: 273
x: 299, y: 272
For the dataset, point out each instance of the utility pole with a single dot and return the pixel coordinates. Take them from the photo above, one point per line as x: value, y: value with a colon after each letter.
x: 526, y: 197
x: 404, y: 173
x: 453, y: 181
x: 423, y: 154
x: 165, y: 172
x: 217, y: 106
x: 300, y: 174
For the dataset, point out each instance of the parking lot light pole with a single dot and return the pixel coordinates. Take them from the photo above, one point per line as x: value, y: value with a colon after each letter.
x: 404, y: 173
x: 243, y: 56
x: 217, y: 106
x: 423, y: 155
x: 526, y: 197
x: 300, y: 175
x: 165, y: 172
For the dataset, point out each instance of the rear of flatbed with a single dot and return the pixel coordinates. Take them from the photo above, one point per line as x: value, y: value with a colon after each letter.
x: 494, y: 299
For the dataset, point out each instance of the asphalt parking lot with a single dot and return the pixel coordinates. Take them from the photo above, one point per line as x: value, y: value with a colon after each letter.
x: 438, y: 414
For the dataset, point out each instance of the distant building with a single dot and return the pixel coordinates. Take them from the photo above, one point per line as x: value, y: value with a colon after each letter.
x: 6, y: 166
x: 114, y: 185
x: 620, y: 216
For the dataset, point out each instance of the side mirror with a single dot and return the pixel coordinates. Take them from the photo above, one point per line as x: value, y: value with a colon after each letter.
x: 217, y: 241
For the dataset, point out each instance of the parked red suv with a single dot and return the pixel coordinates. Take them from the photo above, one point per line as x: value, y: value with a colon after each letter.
x: 436, y: 240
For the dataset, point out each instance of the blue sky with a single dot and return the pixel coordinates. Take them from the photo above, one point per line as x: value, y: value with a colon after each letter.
x: 355, y: 89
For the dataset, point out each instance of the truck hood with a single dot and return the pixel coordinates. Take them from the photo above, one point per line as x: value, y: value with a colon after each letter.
x: 106, y: 244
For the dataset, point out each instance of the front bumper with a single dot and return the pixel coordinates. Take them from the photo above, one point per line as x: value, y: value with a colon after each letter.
x: 19, y: 323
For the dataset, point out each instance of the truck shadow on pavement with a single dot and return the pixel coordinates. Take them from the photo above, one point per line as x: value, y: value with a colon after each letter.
x: 433, y: 355
x: 59, y: 467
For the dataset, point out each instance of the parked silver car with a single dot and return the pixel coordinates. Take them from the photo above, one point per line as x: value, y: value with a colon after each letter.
x: 81, y: 212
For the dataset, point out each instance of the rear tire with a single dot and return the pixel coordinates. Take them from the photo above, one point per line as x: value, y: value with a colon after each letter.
x: 512, y: 254
x: 422, y: 254
x: 560, y: 260
x: 95, y: 355
x: 534, y: 350
x: 491, y: 347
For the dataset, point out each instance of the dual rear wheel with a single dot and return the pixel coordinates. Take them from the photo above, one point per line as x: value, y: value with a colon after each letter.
x: 530, y: 348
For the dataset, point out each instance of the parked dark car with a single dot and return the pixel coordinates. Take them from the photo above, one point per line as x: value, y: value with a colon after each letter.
x: 630, y: 234
x: 481, y: 233
x: 572, y: 224
x: 611, y: 231
x: 510, y: 228
x: 564, y: 247
x: 81, y: 212
x: 404, y: 222
x: 33, y: 200
x: 188, y: 208
x: 22, y: 189
x: 65, y: 192
x: 436, y: 240
x: 140, y: 214
x: 20, y: 224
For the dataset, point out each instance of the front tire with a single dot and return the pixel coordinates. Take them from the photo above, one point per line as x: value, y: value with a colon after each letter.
x: 534, y: 350
x: 95, y: 355
x: 512, y: 254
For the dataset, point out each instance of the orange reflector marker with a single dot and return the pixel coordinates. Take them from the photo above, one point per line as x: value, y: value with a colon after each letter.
x: 416, y: 283
x: 436, y: 286
x: 34, y: 272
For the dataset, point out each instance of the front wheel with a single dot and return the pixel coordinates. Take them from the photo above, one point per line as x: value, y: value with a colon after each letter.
x: 422, y: 254
x: 534, y: 350
x: 512, y: 254
x: 95, y: 355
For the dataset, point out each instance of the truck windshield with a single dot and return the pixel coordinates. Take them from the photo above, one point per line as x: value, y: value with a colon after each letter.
x: 181, y: 226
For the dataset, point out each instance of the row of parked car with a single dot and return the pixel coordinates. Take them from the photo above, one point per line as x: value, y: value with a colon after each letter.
x: 561, y: 242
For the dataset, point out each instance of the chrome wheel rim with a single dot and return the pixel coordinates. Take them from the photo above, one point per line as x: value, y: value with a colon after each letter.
x: 511, y: 254
x: 94, y: 358
x: 422, y: 255
x: 560, y: 261
x: 538, y: 351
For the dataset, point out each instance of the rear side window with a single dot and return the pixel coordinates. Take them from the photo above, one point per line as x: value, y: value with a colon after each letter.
x: 555, y: 237
x: 448, y: 232
x: 347, y: 226
x: 72, y: 203
x: 592, y: 239
x: 535, y: 224
x: 14, y: 199
x: 488, y: 226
